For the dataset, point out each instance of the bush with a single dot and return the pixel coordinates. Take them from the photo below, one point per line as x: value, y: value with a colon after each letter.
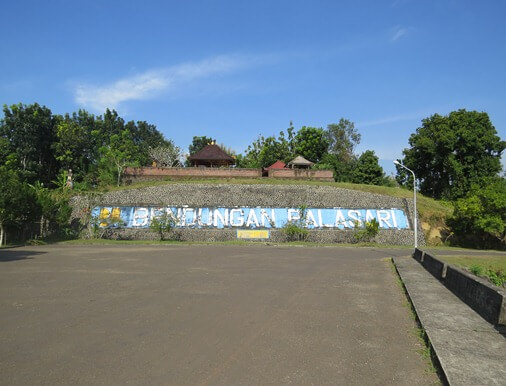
x: 476, y: 269
x: 296, y: 230
x: 163, y: 224
x: 368, y: 232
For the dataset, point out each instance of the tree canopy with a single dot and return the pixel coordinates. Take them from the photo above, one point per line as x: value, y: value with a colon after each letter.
x: 39, y: 145
x: 450, y: 153
x: 368, y: 170
x: 198, y: 143
x: 480, y: 216
x: 342, y: 138
x: 311, y: 143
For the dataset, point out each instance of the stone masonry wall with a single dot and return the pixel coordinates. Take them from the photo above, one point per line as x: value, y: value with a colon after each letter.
x: 231, y: 195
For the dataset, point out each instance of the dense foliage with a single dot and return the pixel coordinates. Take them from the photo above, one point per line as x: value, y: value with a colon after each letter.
x: 367, y: 170
x: 39, y: 145
x: 198, y: 143
x: 450, y: 153
x: 458, y: 157
x: 331, y: 149
x: 38, y: 149
x: 479, y: 218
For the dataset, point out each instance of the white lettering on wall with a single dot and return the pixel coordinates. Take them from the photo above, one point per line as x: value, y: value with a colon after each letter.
x: 252, y: 218
x: 355, y: 217
x: 384, y: 218
x: 310, y: 220
x: 141, y: 217
x: 240, y: 218
x: 223, y: 218
x: 394, y: 219
x: 293, y: 215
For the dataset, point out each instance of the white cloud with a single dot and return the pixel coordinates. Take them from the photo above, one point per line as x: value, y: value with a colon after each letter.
x: 151, y: 83
x: 397, y: 32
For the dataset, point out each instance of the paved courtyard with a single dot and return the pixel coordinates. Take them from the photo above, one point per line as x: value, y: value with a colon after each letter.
x: 204, y: 315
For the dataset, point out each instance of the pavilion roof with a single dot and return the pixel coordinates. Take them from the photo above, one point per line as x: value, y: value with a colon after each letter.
x: 211, y: 153
x: 300, y: 161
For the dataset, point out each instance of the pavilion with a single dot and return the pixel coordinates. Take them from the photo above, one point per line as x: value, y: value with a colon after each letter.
x: 211, y: 156
x: 300, y: 163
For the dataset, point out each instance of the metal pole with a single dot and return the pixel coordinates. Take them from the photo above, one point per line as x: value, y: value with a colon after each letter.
x: 414, y: 204
x: 415, y: 225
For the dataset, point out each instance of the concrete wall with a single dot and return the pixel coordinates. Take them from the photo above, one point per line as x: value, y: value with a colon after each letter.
x: 150, y: 173
x: 486, y: 299
x: 251, y: 195
x: 154, y: 173
x: 321, y: 175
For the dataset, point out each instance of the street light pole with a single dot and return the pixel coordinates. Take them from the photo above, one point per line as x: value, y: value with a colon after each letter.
x: 414, y: 199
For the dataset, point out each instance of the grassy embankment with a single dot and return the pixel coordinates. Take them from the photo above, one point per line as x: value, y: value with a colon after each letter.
x: 432, y: 213
x: 489, y: 266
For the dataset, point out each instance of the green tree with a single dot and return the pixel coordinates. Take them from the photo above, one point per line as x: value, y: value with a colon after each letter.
x: 480, y: 216
x: 30, y: 132
x: 54, y: 212
x: 311, y: 143
x: 264, y: 151
x: 450, y: 153
x: 342, y: 138
x: 368, y: 170
x: 75, y: 146
x: 17, y: 203
x: 343, y: 170
x: 198, y: 143
x: 145, y: 136
x: 118, y: 154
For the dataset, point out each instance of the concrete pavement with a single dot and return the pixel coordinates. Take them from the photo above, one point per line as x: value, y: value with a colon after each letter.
x: 205, y: 315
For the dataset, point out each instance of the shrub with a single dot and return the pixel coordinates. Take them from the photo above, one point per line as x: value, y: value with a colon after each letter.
x: 296, y: 230
x: 476, y: 269
x: 497, y: 277
x: 163, y: 224
x: 368, y: 232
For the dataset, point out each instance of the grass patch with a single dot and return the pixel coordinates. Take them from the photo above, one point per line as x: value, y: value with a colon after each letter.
x: 492, y: 267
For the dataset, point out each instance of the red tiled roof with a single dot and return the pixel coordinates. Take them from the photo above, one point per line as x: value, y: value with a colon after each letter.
x: 211, y: 153
x: 277, y: 165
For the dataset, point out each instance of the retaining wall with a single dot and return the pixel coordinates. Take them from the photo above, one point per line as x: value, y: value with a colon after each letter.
x: 483, y: 297
x: 248, y: 195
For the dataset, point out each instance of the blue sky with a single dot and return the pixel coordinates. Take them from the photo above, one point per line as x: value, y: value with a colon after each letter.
x: 236, y: 69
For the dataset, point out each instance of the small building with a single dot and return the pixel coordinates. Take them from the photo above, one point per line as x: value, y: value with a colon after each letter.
x: 211, y: 156
x: 277, y: 165
x: 300, y: 163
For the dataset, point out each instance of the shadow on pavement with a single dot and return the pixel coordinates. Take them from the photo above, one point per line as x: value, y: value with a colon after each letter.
x: 13, y: 255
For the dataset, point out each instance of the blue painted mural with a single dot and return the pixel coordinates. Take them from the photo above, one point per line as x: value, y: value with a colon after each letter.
x: 250, y: 217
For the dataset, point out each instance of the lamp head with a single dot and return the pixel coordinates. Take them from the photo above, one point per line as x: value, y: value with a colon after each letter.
x: 397, y: 162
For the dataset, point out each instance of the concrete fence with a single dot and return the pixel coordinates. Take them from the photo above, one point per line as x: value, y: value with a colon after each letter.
x: 483, y: 297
